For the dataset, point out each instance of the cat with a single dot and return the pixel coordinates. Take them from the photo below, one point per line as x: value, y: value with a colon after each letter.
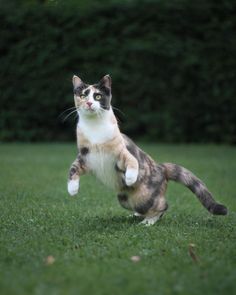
x: 121, y: 165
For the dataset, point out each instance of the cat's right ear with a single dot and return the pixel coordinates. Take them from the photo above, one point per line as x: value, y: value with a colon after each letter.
x: 77, y: 82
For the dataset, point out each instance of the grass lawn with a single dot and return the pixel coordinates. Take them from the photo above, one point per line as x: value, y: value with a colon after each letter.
x: 91, y: 238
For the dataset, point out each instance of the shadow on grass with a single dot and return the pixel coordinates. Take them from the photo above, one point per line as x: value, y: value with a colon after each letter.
x: 108, y: 223
x: 116, y: 223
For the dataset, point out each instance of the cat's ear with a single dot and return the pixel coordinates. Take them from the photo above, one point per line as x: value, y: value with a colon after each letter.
x: 77, y: 82
x: 106, y: 81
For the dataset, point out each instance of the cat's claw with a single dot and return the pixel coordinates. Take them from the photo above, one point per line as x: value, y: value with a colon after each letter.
x: 131, y: 176
x: 73, y: 187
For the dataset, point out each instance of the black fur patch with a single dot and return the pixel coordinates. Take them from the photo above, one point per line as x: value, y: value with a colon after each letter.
x: 144, y: 207
x: 73, y: 170
x: 177, y: 172
x: 132, y: 149
x: 157, y: 175
x: 122, y: 197
x: 123, y: 200
x: 84, y: 151
x: 81, y: 160
x: 194, y: 185
x: 78, y: 90
x: 86, y: 92
x: 103, y: 89
x: 105, y: 92
x: 135, y: 151
x: 142, y: 156
x: 219, y: 209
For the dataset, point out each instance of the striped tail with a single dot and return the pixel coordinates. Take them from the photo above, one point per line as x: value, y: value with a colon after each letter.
x: 187, y: 178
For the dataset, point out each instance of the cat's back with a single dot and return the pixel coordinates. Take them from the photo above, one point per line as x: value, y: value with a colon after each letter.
x: 137, y: 152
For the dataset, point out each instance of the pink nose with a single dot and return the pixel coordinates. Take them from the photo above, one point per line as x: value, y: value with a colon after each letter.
x: 89, y: 103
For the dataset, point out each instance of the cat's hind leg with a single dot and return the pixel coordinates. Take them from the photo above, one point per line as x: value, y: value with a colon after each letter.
x: 150, y: 202
x: 150, y: 220
x: 154, y: 217
x: 123, y: 199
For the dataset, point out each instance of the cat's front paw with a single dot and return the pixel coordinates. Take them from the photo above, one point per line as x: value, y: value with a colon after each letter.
x: 131, y: 176
x: 73, y: 187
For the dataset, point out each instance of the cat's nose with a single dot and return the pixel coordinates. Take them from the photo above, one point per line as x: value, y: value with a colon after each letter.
x: 89, y: 103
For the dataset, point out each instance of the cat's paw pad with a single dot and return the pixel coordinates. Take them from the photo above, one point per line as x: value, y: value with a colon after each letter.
x: 131, y: 176
x: 73, y: 187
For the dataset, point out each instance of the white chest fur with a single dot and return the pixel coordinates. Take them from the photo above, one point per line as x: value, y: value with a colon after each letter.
x: 103, y: 167
x: 97, y: 130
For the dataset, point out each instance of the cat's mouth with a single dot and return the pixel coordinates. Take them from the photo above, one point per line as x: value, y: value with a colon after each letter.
x: 89, y: 110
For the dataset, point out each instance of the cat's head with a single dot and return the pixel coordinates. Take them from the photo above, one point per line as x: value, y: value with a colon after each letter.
x: 92, y: 99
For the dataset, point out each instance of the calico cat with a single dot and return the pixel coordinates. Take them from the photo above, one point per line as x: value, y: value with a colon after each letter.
x: 115, y: 160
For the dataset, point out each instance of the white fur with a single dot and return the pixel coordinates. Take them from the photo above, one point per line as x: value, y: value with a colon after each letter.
x: 151, y: 220
x: 131, y: 176
x: 97, y: 129
x: 103, y: 167
x: 73, y: 187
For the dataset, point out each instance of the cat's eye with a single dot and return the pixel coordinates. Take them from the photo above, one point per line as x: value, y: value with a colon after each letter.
x: 82, y: 96
x: 98, y: 96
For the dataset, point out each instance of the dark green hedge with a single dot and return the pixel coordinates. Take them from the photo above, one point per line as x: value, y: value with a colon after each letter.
x: 173, y: 65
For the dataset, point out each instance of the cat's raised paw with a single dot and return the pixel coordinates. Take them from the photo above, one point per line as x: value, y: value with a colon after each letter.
x: 131, y: 176
x: 73, y: 187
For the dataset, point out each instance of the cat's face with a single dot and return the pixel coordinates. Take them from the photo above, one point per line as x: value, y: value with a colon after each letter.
x: 92, y: 99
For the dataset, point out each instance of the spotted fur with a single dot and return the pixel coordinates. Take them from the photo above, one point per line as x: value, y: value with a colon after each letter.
x: 116, y: 160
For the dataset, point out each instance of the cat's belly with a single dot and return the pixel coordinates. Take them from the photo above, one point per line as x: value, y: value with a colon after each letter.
x: 102, y: 166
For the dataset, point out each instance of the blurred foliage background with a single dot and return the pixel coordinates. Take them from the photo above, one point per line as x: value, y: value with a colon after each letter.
x: 173, y: 65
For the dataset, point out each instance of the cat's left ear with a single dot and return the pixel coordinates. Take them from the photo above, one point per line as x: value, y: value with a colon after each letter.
x: 106, y: 81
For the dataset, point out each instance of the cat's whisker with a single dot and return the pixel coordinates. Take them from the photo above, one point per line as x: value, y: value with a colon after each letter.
x: 118, y: 120
x: 69, y: 115
x: 75, y: 117
x: 61, y: 114
x: 118, y: 110
x: 102, y: 111
x: 99, y: 113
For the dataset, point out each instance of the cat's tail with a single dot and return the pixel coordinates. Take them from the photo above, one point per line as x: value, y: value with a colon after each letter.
x: 187, y: 178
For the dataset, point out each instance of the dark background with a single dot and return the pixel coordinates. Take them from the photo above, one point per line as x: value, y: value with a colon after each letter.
x: 173, y: 65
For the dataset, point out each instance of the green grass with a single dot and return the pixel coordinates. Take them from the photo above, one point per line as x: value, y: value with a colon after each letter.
x: 92, y: 238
